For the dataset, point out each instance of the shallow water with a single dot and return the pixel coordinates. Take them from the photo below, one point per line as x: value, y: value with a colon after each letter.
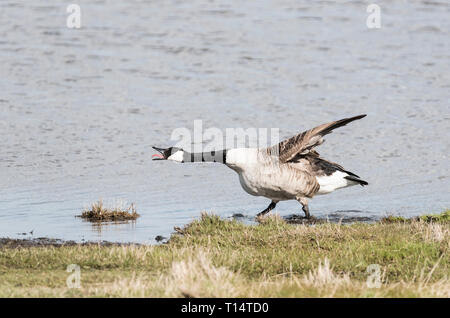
x: 81, y: 108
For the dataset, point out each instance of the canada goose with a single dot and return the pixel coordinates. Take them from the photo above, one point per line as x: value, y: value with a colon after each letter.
x: 290, y: 170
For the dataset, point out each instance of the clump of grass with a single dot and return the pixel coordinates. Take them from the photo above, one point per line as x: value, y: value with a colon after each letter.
x: 437, y: 218
x: 443, y: 217
x: 99, y: 213
x: 271, y: 218
x: 394, y: 219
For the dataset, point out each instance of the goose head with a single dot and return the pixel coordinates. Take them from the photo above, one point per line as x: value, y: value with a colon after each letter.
x: 171, y: 153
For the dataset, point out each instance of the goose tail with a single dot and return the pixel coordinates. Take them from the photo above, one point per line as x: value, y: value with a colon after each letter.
x: 357, y: 180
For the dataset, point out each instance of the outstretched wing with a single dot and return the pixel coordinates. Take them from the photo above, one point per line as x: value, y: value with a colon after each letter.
x: 304, y: 142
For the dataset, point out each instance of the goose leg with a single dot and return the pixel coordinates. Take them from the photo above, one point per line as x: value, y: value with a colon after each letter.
x: 271, y: 206
x: 305, y: 207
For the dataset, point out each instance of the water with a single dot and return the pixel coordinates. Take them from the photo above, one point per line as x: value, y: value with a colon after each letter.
x: 81, y: 108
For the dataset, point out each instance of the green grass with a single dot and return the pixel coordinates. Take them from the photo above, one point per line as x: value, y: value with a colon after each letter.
x: 443, y: 217
x: 212, y: 257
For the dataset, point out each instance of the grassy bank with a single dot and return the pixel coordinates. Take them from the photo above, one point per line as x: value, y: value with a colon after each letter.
x: 217, y: 258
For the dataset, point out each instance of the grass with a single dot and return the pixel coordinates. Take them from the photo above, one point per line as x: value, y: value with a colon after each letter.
x: 99, y: 213
x: 212, y: 257
x: 443, y: 217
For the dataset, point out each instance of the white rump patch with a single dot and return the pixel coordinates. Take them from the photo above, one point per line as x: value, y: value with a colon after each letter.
x: 334, y: 181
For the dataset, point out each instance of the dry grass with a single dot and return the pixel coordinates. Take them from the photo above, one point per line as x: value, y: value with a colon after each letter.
x: 98, y: 212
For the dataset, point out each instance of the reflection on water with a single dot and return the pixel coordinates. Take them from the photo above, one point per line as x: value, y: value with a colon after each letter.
x: 81, y: 108
x: 112, y: 225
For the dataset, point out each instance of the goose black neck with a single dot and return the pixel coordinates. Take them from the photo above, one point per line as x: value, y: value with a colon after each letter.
x: 209, y: 156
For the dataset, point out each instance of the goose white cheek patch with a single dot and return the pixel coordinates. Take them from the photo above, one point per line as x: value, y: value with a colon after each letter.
x: 177, y: 156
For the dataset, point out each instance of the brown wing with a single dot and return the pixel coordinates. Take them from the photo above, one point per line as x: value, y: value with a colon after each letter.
x: 304, y: 142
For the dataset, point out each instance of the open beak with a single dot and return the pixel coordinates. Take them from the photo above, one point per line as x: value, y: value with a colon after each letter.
x: 159, y: 156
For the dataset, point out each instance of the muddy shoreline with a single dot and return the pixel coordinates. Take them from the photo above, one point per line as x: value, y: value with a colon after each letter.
x: 6, y: 242
x: 300, y: 218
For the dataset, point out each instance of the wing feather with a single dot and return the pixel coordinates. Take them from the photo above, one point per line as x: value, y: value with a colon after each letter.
x: 304, y: 142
